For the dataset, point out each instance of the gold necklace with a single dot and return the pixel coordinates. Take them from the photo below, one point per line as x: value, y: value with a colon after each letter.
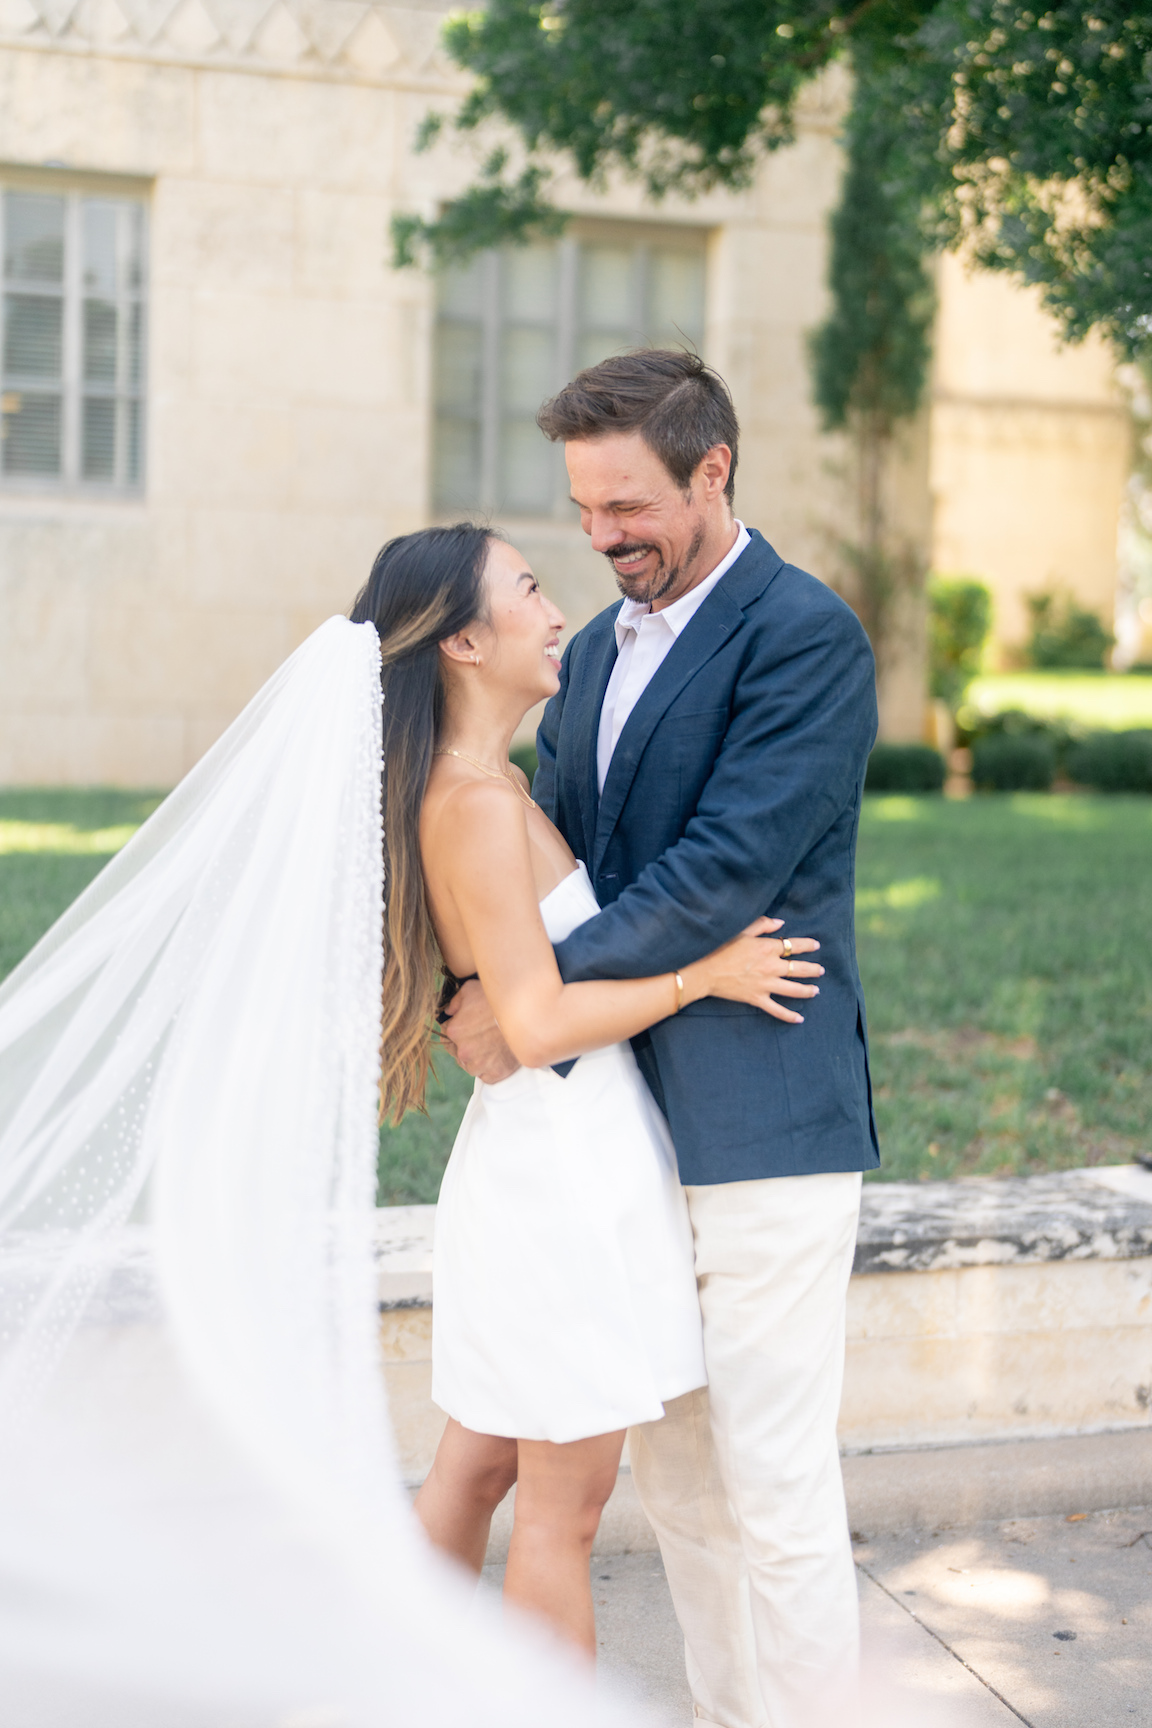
x: 496, y: 774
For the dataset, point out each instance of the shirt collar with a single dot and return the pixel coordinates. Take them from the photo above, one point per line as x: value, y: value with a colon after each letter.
x: 677, y: 615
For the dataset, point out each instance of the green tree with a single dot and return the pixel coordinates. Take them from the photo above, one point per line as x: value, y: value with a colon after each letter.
x: 1026, y: 132
x: 870, y: 357
x: 959, y: 619
x: 1025, y: 135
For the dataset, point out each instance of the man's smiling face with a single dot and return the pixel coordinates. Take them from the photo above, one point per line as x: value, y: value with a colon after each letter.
x: 659, y: 538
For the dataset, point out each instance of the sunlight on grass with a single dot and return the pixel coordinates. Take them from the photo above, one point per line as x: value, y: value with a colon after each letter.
x: 1003, y: 946
x: 916, y: 891
x: 1110, y: 701
x: 893, y: 809
x: 53, y: 841
x: 1071, y: 809
x: 64, y: 838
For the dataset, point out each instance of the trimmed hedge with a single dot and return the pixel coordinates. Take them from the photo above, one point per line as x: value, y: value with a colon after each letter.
x: 905, y: 768
x: 1065, y: 635
x: 1014, y: 754
x: 524, y: 756
x: 1114, y: 761
x: 1014, y: 762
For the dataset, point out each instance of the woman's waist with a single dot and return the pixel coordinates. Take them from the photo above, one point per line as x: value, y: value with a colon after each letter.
x: 593, y: 1062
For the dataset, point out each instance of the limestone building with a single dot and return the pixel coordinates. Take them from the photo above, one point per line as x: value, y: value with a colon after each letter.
x: 219, y: 399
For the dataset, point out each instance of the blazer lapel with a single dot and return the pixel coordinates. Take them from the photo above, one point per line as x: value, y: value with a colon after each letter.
x: 702, y: 637
x: 585, y: 703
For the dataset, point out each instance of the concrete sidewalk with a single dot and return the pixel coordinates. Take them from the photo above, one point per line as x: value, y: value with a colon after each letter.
x: 1054, y: 1614
x: 1045, y: 1621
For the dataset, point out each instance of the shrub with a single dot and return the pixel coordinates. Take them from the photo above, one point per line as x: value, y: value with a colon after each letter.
x: 1014, y: 762
x: 959, y: 619
x: 1066, y: 636
x: 972, y: 729
x: 905, y: 768
x: 1114, y: 761
x: 524, y: 756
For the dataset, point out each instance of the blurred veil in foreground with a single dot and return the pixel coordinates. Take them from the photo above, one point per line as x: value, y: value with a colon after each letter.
x: 201, y: 1522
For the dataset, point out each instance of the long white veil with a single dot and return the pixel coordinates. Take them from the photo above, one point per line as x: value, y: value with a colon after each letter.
x: 200, y: 1518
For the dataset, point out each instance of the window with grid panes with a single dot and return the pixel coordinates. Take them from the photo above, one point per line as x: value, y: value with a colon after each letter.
x: 515, y: 325
x: 72, y: 339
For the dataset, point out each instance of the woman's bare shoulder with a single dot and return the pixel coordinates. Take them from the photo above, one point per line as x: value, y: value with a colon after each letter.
x: 468, y: 818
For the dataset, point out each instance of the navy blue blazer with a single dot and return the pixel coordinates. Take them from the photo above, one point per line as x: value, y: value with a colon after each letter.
x: 734, y: 791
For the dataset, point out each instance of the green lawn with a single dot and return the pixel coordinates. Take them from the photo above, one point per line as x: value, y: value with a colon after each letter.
x: 1005, y: 947
x: 413, y: 1156
x: 1104, y: 701
x: 52, y: 843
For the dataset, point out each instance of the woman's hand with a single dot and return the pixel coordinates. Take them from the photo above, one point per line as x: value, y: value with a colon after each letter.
x: 753, y: 968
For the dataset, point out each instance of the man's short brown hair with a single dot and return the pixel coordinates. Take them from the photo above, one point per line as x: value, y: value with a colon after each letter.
x: 680, y: 407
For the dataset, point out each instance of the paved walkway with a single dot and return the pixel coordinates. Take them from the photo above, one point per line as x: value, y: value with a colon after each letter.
x: 1052, y: 1615
x: 1045, y: 1621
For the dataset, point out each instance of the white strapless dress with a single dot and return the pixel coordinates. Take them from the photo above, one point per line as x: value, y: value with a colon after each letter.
x: 564, y: 1295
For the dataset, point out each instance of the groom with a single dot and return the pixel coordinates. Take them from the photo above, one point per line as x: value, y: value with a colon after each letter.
x: 705, y: 756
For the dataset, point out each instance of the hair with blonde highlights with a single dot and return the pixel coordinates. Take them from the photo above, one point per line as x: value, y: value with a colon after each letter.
x: 423, y: 588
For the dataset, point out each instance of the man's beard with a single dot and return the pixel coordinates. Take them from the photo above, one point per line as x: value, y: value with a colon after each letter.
x: 652, y: 588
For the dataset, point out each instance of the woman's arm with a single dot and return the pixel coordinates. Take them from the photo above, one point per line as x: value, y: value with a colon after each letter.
x: 479, y: 851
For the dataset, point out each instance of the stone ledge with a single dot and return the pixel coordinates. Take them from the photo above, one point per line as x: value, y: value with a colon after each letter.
x: 1100, y: 1214
x: 404, y: 1256
x: 981, y: 1311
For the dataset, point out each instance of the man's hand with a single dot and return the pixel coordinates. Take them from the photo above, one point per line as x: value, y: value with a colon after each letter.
x: 475, y: 1039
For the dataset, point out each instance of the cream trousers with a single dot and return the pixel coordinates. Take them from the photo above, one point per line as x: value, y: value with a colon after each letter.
x: 742, y: 1481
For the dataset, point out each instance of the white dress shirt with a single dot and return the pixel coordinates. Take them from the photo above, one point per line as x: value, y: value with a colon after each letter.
x: 643, y: 639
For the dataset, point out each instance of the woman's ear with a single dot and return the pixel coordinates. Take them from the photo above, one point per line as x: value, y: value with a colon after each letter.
x: 461, y: 648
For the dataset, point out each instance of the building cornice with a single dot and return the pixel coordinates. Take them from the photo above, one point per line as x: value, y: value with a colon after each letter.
x: 346, y: 41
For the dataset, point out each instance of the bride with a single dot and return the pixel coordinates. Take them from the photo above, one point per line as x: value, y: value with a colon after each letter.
x: 200, y: 1514
x: 565, y: 1298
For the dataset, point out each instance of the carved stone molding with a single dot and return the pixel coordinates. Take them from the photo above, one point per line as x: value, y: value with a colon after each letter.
x: 363, y: 39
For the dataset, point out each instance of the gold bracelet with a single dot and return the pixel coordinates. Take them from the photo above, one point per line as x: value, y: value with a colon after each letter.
x: 679, y: 991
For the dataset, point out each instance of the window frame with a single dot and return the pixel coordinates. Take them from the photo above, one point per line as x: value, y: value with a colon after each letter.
x: 74, y: 187
x: 641, y: 238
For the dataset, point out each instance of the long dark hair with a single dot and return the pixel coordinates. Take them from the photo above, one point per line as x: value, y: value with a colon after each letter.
x: 423, y: 587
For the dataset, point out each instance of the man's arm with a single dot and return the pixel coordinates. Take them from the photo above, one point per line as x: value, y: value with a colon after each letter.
x: 804, y: 720
x: 470, y: 1031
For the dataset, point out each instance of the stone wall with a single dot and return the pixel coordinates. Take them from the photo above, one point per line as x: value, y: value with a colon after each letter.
x: 1029, y: 451
x: 979, y: 1310
x: 289, y: 393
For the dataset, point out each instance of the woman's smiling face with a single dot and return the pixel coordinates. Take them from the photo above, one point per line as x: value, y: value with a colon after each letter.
x: 525, y: 627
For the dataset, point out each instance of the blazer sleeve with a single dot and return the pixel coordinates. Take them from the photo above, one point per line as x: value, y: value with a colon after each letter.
x: 802, y: 723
